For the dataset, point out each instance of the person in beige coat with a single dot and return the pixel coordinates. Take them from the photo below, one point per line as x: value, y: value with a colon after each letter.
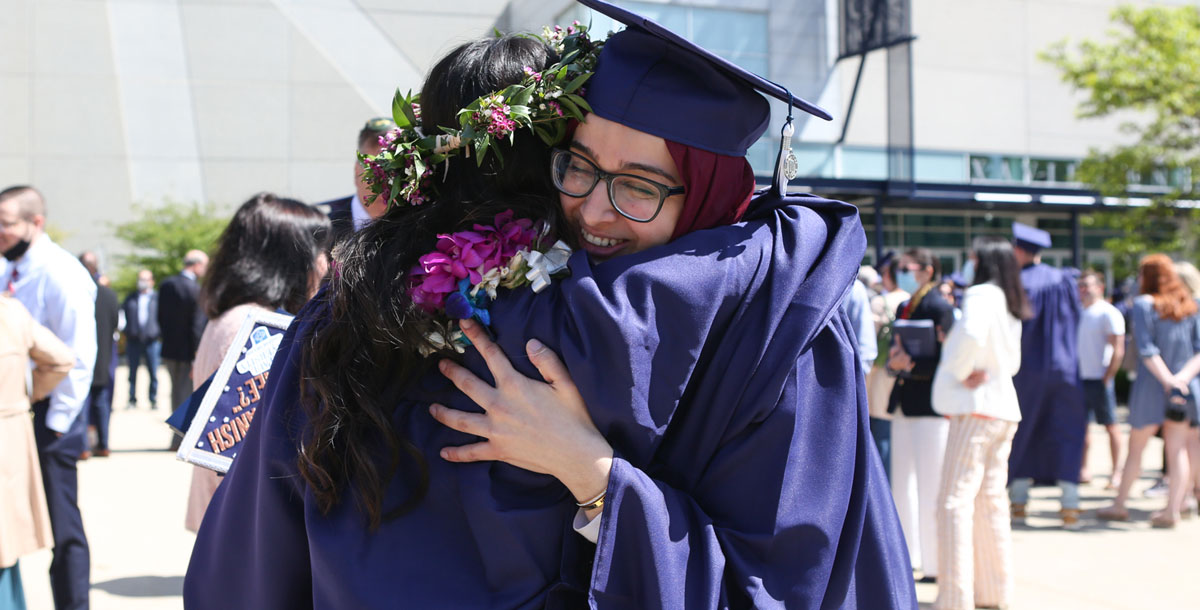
x: 24, y: 521
x: 973, y: 387
x: 287, y: 240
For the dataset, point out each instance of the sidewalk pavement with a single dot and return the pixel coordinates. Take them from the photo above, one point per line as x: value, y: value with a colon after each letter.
x: 133, y: 506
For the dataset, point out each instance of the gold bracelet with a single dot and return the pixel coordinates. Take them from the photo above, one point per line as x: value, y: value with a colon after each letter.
x: 594, y: 503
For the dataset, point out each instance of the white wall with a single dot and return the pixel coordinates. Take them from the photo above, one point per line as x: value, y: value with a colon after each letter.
x: 104, y: 103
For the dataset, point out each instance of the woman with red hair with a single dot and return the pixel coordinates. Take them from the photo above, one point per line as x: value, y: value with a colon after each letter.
x: 1166, y: 329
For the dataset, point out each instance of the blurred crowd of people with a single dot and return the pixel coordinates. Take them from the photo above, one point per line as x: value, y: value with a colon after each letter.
x: 1023, y: 355
x: 1020, y: 356
x: 63, y: 326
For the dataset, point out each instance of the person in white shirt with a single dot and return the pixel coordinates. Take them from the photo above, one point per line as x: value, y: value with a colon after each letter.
x: 1101, y: 350
x: 60, y: 294
x: 857, y: 305
x: 973, y: 387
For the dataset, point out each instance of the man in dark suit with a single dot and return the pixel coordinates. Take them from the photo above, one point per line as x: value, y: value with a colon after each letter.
x: 350, y: 214
x: 142, y: 336
x: 99, y: 401
x: 182, y: 321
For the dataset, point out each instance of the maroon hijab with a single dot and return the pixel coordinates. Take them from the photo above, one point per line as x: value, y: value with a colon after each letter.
x: 719, y: 188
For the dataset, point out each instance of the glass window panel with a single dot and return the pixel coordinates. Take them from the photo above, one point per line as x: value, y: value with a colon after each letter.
x: 949, y: 264
x: 934, y: 220
x: 732, y: 31
x: 940, y: 167
x: 932, y: 239
x: 815, y: 160
x: 864, y: 163
x: 994, y: 222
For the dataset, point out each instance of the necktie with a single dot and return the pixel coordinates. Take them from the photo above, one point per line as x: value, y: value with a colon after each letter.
x: 12, y: 281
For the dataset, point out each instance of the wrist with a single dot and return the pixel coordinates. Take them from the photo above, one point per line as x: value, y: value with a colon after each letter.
x: 590, y: 477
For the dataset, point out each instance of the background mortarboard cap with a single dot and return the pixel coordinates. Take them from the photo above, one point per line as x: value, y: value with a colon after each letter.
x: 1030, y: 238
x: 885, y: 259
x: 653, y: 80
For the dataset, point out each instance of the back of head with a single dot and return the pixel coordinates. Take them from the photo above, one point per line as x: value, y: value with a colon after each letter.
x: 373, y: 343
x: 1190, y: 276
x: 267, y: 255
x: 1172, y: 299
x: 996, y: 263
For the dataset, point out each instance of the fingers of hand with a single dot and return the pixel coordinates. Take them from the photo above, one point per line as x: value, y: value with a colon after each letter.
x: 497, y: 361
x: 470, y: 423
x: 475, y: 452
x: 466, y: 381
x: 548, y: 363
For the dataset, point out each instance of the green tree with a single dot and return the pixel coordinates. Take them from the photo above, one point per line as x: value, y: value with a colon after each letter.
x: 161, y: 236
x: 1148, y: 72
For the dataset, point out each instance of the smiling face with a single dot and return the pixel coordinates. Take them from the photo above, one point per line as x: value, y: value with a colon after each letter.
x: 615, y: 148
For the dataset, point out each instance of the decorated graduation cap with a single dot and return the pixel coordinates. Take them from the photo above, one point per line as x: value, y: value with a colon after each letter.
x: 1030, y: 238
x: 653, y: 80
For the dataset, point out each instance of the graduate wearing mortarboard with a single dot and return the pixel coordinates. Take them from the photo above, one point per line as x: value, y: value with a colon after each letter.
x: 1048, y: 445
x: 723, y: 398
x: 705, y: 503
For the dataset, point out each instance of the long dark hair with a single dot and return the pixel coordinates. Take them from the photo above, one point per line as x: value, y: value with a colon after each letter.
x: 266, y: 255
x: 994, y: 262
x: 360, y: 358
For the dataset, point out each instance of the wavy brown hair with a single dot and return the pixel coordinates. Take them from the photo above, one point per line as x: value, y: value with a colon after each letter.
x: 1172, y: 299
x: 360, y: 358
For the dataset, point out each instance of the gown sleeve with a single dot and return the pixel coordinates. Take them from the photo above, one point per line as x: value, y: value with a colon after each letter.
x: 764, y: 519
x: 725, y: 378
x: 258, y: 512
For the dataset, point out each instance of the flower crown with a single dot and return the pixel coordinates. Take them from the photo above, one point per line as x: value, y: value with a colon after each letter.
x: 542, y: 101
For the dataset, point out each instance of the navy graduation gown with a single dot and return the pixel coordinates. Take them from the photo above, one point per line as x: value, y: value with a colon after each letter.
x: 724, y: 375
x: 1048, y: 445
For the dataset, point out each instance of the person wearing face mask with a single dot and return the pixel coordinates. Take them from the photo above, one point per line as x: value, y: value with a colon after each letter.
x: 60, y: 295
x: 918, y: 433
x: 143, y: 337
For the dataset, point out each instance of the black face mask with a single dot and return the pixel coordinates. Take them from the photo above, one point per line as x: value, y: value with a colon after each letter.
x: 17, y: 251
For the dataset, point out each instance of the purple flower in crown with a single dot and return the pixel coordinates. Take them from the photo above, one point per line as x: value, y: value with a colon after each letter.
x: 386, y: 139
x: 529, y: 71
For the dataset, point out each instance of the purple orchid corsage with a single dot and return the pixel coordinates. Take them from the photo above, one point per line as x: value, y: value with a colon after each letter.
x: 460, y: 278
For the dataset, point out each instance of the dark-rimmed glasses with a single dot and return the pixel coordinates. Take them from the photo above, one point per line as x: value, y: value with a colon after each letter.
x: 634, y: 197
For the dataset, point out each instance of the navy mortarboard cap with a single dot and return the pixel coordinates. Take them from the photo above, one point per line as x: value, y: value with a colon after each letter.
x: 1030, y: 238
x: 887, y: 258
x: 652, y: 80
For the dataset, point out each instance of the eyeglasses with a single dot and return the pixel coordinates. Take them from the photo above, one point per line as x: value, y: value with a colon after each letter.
x: 636, y: 198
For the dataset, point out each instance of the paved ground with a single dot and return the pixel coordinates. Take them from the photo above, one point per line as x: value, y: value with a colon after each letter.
x: 133, y: 505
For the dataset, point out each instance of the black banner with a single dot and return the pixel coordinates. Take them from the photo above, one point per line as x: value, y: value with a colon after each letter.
x: 867, y: 25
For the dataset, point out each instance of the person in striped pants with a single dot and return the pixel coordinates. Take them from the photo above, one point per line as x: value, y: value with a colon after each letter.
x: 973, y: 388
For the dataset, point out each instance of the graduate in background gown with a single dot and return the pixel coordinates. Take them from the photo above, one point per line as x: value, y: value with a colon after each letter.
x: 719, y: 367
x: 1048, y: 446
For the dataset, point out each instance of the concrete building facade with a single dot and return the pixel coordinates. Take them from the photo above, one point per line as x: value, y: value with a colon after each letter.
x: 109, y: 103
